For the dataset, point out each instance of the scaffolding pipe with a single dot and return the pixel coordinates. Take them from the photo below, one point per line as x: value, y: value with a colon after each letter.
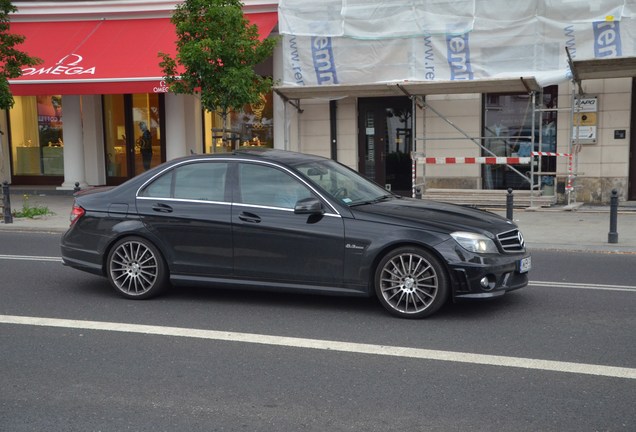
x: 534, y: 106
x: 414, y: 145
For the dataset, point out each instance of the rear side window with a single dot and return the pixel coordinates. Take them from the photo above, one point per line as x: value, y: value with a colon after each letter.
x: 201, y: 181
x: 160, y: 187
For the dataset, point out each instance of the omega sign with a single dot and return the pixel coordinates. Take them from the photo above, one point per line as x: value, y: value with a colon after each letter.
x: 67, y: 65
x: 161, y: 88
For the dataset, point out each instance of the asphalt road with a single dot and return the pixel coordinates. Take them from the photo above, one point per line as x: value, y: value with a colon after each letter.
x: 559, y: 355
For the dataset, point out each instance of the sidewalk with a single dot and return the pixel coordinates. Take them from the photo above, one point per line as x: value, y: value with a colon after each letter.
x: 584, y: 229
x: 58, y: 204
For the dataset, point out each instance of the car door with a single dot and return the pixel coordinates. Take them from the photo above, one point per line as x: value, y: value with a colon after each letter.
x: 271, y: 242
x: 188, y: 210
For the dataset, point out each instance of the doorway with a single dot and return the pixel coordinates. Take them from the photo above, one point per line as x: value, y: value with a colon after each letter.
x: 133, y: 137
x: 385, y: 142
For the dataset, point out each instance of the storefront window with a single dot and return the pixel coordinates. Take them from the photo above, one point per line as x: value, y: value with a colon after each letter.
x: 146, y: 131
x: 251, y: 127
x: 115, y: 133
x: 508, y: 132
x: 132, y: 130
x: 37, y: 140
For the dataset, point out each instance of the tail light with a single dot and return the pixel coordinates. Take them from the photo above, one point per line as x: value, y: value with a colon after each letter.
x: 76, y: 213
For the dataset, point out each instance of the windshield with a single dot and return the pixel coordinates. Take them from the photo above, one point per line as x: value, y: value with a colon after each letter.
x: 343, y: 184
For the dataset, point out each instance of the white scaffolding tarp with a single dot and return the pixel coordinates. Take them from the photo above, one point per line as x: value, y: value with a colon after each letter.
x: 372, y: 41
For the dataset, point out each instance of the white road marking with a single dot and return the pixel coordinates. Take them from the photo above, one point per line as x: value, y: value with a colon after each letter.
x: 587, y: 286
x: 358, y: 348
x: 30, y: 258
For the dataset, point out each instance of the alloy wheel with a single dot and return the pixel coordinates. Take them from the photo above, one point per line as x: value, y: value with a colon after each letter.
x: 409, y: 284
x: 134, y: 268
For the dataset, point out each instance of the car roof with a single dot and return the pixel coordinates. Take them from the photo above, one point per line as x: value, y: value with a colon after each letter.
x: 268, y: 154
x: 279, y: 155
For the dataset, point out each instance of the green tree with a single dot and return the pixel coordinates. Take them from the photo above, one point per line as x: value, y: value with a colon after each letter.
x: 217, y: 50
x: 11, y: 59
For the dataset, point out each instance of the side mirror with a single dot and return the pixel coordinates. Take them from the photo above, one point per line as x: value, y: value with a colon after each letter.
x: 309, y: 206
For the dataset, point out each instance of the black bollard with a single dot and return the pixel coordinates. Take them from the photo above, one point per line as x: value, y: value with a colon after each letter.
x: 6, y: 203
x: 510, y: 199
x: 77, y: 187
x: 418, y: 193
x: 612, y: 236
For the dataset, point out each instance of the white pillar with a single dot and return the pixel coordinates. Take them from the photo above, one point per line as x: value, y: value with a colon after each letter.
x: 175, y: 126
x: 93, y: 133
x: 73, y: 144
x: 281, y: 108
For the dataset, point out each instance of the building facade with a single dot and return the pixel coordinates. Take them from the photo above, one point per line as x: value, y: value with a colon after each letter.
x: 543, y: 87
x: 96, y: 110
x: 406, y: 115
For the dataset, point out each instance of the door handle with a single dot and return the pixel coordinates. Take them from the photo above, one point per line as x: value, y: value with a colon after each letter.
x: 162, y: 208
x: 249, y: 217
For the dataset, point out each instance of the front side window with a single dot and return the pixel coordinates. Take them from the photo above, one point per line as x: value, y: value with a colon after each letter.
x: 265, y: 185
x: 201, y: 181
x: 342, y: 183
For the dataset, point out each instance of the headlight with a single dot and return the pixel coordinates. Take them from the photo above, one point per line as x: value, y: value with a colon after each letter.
x: 474, y: 242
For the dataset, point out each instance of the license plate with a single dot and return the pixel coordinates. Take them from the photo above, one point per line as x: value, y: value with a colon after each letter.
x: 525, y: 265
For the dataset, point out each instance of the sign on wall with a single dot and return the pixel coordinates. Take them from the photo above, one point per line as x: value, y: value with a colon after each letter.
x: 585, y: 120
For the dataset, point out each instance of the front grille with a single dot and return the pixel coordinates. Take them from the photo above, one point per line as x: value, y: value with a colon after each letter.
x: 511, y: 241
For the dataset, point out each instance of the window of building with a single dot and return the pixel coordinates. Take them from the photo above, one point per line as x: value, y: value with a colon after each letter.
x: 252, y: 126
x: 508, y: 132
x: 37, y: 138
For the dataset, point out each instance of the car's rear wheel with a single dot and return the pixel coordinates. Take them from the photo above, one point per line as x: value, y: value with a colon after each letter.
x: 410, y: 282
x: 136, y: 268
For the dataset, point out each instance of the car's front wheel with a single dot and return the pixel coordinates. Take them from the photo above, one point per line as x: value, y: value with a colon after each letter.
x: 136, y: 269
x: 410, y: 282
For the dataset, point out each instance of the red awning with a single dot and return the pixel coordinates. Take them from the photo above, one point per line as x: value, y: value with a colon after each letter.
x: 102, y: 57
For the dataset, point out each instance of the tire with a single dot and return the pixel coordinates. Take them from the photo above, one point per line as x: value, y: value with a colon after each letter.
x: 410, y: 282
x: 136, y: 269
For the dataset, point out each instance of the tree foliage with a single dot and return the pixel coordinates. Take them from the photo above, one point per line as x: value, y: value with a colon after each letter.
x: 217, y: 50
x: 11, y: 59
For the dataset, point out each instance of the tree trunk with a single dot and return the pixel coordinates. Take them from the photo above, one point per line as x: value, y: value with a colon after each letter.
x: 226, y: 139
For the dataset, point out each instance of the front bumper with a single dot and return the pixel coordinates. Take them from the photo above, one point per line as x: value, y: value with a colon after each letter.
x: 467, y: 270
x: 467, y: 281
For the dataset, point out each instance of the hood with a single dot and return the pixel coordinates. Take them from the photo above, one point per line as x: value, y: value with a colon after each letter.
x: 437, y: 215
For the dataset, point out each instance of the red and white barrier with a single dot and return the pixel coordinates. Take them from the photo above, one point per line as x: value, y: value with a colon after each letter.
x: 550, y: 154
x: 489, y: 160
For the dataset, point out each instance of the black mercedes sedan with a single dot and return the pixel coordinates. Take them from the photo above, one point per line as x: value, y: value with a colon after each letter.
x: 278, y: 220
